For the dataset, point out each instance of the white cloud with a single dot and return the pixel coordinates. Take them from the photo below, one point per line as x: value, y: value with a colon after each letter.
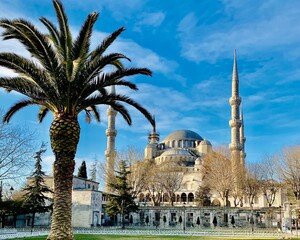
x: 249, y: 32
x: 153, y: 19
x: 142, y: 57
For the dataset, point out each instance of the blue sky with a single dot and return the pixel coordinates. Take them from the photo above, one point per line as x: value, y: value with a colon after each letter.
x: 189, y: 47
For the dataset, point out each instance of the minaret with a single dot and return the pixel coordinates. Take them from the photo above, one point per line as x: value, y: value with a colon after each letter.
x: 110, y: 152
x: 151, y: 148
x: 235, y: 122
x: 153, y: 136
x: 242, y: 140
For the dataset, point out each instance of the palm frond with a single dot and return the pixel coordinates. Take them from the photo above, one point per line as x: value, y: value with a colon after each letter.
x: 22, y: 85
x: 125, y: 72
x: 93, y: 69
x: 111, y: 99
x: 33, y: 40
x: 87, y: 116
x: 106, y: 101
x: 95, y: 112
x: 65, y: 34
x: 118, y: 64
x: 42, y: 113
x: 53, y: 31
x: 16, y: 107
x: 81, y: 45
x: 30, y: 70
x: 99, y: 85
x: 97, y: 53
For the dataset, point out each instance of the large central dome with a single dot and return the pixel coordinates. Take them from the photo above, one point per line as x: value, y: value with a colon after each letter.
x: 183, y: 135
x: 182, y: 139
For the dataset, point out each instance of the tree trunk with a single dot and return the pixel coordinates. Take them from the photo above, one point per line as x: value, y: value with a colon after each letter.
x: 64, y: 135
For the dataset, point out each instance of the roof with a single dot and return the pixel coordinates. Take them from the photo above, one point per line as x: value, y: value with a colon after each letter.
x: 183, y: 135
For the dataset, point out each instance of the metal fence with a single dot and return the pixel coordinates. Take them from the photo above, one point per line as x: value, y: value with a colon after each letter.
x: 21, y: 233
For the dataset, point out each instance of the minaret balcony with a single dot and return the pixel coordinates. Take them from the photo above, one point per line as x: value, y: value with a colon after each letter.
x: 110, y: 153
x: 111, y: 132
x: 235, y: 147
x: 235, y: 100
x: 111, y: 112
x: 235, y: 123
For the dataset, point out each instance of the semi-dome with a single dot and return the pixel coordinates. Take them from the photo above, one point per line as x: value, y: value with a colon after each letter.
x: 176, y: 151
x: 205, y: 142
x: 183, y: 135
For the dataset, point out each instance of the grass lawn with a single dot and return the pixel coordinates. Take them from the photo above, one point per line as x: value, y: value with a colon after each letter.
x: 135, y: 237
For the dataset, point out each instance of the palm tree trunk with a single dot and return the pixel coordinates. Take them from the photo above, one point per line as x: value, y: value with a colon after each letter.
x: 64, y: 135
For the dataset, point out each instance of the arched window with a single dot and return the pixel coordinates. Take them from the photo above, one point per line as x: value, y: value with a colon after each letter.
x: 216, y: 203
x: 178, y: 198
x: 148, y: 198
x: 183, y: 197
x: 173, y: 143
x: 173, y: 197
x: 191, y: 197
x: 142, y: 197
x: 166, y: 197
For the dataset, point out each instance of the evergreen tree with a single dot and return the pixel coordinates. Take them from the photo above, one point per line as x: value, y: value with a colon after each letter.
x: 82, y: 170
x: 35, y: 199
x: 122, y: 201
x: 93, y: 171
x: 202, y: 196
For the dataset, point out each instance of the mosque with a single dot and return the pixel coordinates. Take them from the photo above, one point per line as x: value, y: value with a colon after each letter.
x: 186, y: 147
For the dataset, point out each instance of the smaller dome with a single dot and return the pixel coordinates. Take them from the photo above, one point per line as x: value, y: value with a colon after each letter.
x: 205, y: 142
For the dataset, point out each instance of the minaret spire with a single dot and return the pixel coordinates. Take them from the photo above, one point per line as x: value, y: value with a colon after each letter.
x: 153, y: 136
x: 110, y: 152
x: 235, y: 122
x: 151, y: 148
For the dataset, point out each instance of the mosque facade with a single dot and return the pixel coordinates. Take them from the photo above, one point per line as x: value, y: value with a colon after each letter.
x: 189, y: 148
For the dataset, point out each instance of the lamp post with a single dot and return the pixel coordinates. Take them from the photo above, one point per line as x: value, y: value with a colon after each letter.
x: 184, y: 217
x: 280, y: 217
x: 291, y: 221
x: 251, y: 219
x: 11, y: 190
x: 122, y: 209
x: 1, y: 188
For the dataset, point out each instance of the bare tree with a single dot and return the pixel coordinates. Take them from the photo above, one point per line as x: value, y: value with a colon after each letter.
x: 137, y: 167
x: 251, y: 183
x: 289, y: 168
x: 269, y: 182
x: 172, y: 177
x: 218, y: 173
x: 16, y: 151
x: 237, y: 193
x: 154, y: 186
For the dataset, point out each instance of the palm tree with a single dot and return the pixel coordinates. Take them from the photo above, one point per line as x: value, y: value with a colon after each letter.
x: 65, y: 77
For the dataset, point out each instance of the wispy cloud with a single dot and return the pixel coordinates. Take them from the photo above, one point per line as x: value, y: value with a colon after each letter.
x: 153, y: 19
x: 251, y: 32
